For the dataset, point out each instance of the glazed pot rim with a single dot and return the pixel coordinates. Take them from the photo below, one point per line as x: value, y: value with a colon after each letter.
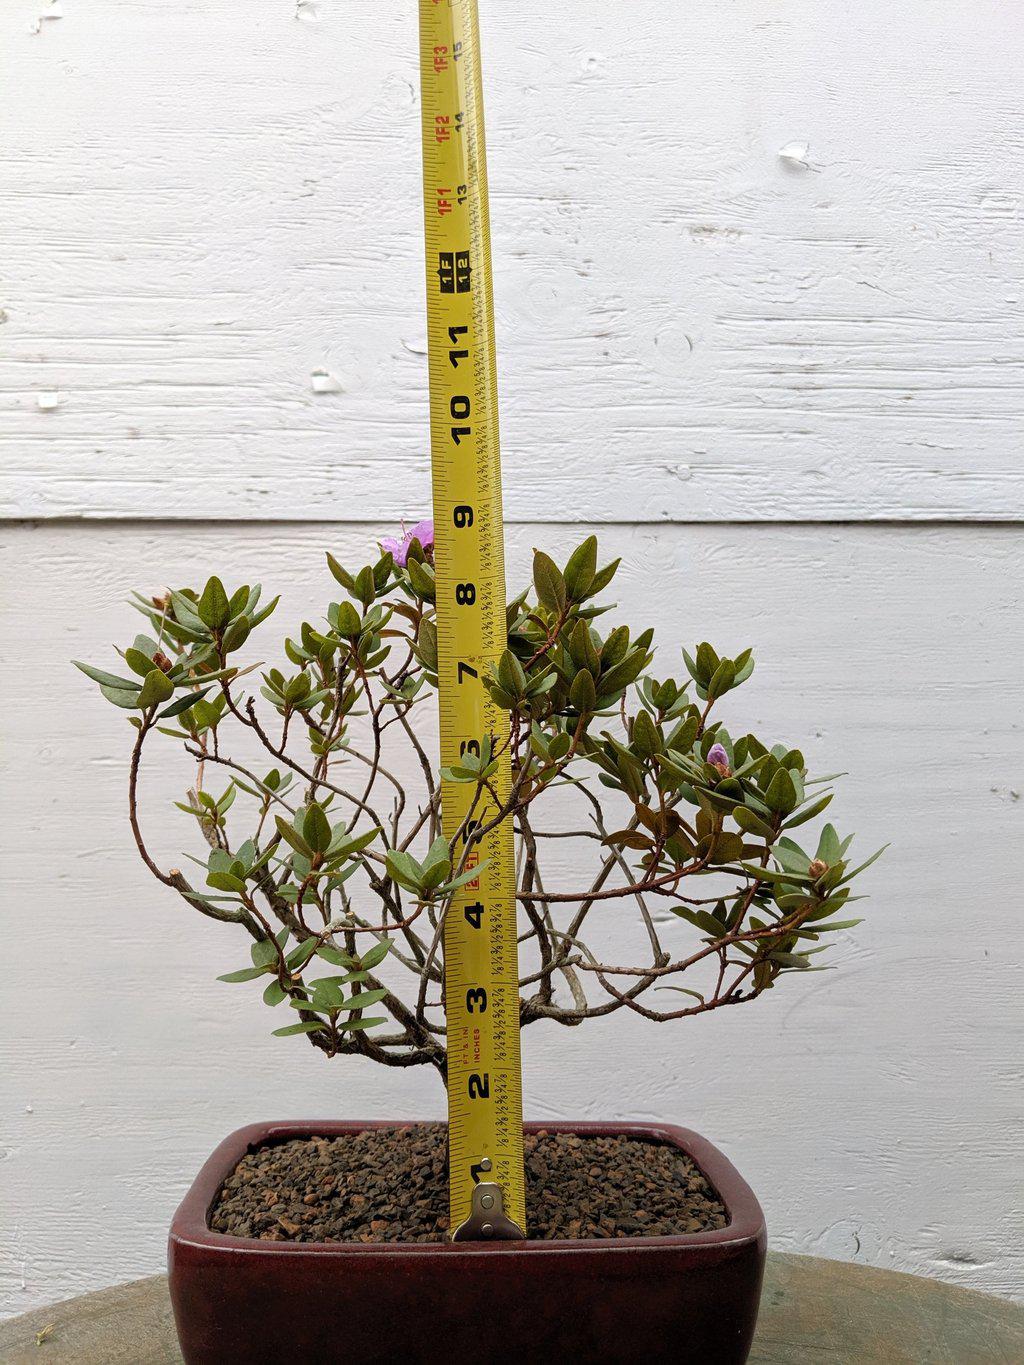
x: 190, y: 1225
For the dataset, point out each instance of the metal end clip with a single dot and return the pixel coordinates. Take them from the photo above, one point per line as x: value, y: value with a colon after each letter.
x: 488, y: 1221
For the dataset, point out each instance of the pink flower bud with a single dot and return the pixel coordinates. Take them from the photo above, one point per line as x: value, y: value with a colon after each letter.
x: 719, y: 760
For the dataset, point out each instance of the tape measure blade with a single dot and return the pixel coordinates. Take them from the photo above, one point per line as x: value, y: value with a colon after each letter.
x: 481, y: 969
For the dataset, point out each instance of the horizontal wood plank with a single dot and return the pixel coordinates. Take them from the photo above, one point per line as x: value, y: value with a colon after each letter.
x: 750, y: 265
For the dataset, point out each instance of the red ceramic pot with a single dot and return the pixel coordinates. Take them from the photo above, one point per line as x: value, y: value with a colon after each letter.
x: 240, y: 1301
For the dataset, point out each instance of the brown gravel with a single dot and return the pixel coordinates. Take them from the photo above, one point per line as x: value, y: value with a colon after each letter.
x: 390, y: 1185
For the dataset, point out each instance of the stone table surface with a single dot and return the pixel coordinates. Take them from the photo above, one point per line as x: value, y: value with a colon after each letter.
x: 826, y: 1312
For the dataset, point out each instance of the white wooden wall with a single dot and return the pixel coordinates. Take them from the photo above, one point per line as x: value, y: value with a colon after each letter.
x: 756, y: 263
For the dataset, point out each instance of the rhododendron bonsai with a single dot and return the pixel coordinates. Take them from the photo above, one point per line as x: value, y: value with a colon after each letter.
x: 338, y: 874
x: 677, y: 833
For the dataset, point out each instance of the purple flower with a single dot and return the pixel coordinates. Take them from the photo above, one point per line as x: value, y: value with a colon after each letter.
x: 423, y: 531
x: 717, y: 756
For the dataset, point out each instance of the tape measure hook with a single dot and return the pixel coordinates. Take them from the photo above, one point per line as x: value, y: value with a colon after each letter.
x: 488, y: 1221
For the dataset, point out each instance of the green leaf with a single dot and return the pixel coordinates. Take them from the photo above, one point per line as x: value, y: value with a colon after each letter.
x: 582, y: 649
x: 404, y: 868
x: 376, y: 955
x: 120, y: 696
x: 342, y: 575
x: 274, y: 993
x: 137, y: 661
x: 728, y: 848
x: 792, y: 900
x: 146, y: 645
x: 356, y: 1025
x: 629, y: 838
x: 619, y: 677
x: 682, y: 991
x: 246, y: 974
x: 299, y: 956
x: 646, y: 739
x: 721, y: 680
x: 753, y: 824
x: 304, y: 1026
x: 744, y: 667
x: 332, y: 955
x: 236, y: 634
x: 183, y: 704
x: 264, y: 953
x: 363, y: 1000
x: 789, y: 960
x: 343, y: 846
x: 832, y: 906
x: 707, y: 663
x: 874, y: 858
x: 464, y: 877
x: 347, y: 621
x: 809, y: 812
x: 291, y: 835
x: 298, y: 1004
x: 241, y: 598
x: 262, y: 615
x: 214, y: 609
x: 583, y: 693
x: 830, y: 847
x: 359, y: 977
x: 364, y: 586
x: 769, y: 874
x: 106, y: 679
x: 581, y: 568
x: 426, y: 645
x: 510, y: 674
x: 224, y: 881
x: 156, y: 688
x: 460, y: 775
x: 421, y: 578
x: 603, y: 577
x: 791, y: 856
x: 781, y: 794
x: 316, y: 829
x: 185, y: 612
x: 327, y: 994
x: 298, y: 689
x: 548, y: 580
x: 438, y: 855
x: 702, y: 920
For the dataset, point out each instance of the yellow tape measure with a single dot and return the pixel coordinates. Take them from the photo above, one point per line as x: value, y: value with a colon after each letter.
x: 481, y: 969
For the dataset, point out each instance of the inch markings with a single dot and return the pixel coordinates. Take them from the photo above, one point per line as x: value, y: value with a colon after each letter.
x: 481, y: 969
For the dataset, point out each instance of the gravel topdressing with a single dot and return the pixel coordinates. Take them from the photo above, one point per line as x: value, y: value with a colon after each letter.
x: 391, y: 1185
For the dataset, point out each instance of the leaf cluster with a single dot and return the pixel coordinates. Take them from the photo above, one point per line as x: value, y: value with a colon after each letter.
x: 329, y: 858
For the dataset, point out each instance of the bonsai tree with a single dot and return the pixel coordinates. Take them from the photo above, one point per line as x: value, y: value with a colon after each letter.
x: 336, y: 871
